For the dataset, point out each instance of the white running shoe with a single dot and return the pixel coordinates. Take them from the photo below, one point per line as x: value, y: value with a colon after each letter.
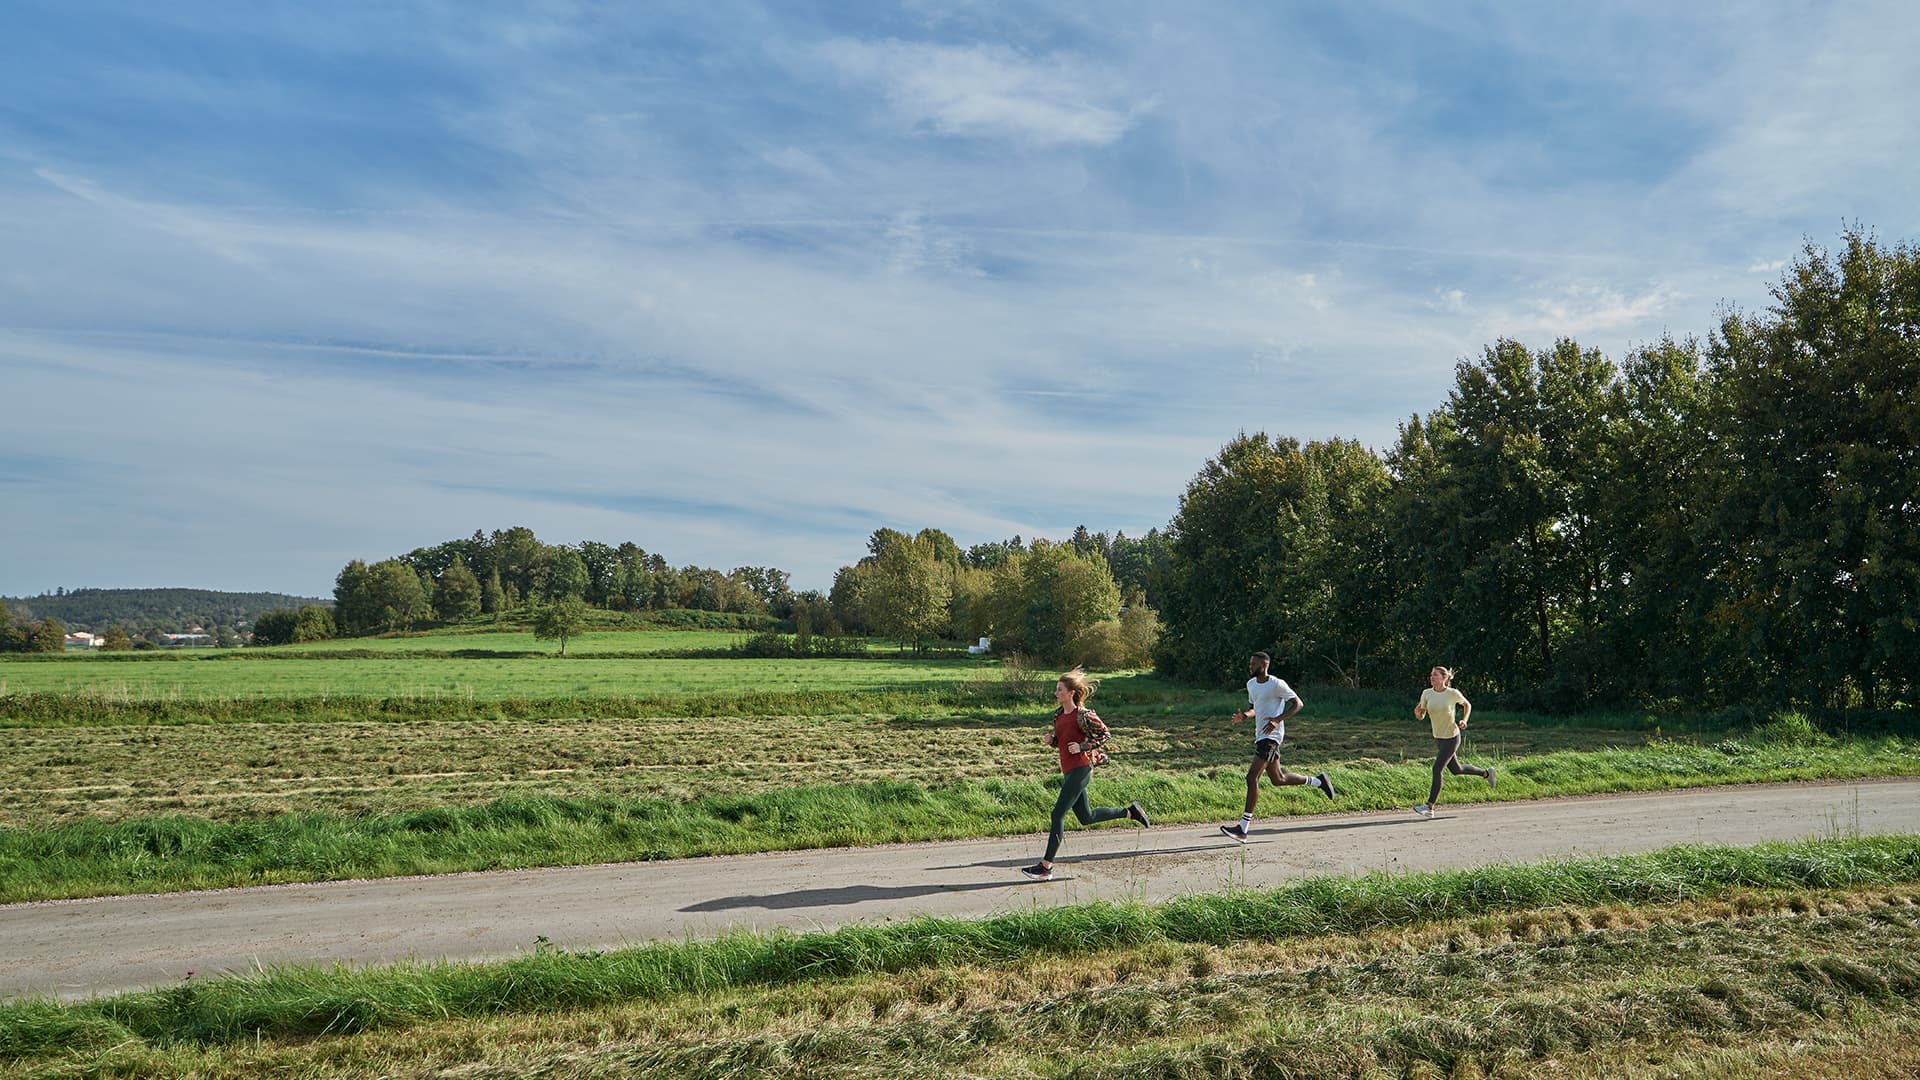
x: 1423, y: 810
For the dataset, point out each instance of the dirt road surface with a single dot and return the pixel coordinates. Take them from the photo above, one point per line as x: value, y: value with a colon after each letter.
x: 77, y: 948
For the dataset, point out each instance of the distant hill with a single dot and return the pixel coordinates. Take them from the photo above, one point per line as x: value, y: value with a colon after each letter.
x: 156, y: 609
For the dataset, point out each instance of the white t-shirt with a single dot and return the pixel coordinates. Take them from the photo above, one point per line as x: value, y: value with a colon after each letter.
x: 1269, y: 701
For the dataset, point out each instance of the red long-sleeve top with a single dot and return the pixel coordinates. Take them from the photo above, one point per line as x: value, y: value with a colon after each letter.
x: 1081, y: 726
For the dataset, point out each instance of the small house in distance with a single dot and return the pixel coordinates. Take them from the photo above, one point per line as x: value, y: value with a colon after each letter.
x: 80, y: 639
x: 984, y: 646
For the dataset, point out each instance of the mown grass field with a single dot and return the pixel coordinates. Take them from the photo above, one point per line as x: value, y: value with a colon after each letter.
x: 157, y: 774
x: 1713, y: 963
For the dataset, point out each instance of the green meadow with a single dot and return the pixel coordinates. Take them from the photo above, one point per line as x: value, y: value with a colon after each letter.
x: 238, y: 675
x: 137, y: 772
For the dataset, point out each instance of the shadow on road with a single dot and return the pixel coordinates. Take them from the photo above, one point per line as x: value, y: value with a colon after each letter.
x: 1336, y: 826
x: 1097, y: 856
x: 846, y: 894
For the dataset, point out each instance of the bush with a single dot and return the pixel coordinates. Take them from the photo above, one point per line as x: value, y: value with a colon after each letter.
x: 1788, y: 729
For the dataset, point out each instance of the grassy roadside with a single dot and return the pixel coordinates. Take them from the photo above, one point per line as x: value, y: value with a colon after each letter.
x: 1691, y: 954
x: 178, y: 852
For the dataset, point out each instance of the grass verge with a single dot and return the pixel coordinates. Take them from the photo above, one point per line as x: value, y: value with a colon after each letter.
x: 305, y: 1002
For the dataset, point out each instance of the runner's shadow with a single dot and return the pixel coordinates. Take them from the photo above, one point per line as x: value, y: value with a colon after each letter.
x: 848, y: 894
x: 1335, y: 826
x: 1098, y: 856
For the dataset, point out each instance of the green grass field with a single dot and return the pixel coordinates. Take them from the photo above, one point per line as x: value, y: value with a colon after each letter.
x: 139, y: 773
x: 1695, y: 963
x: 215, y: 677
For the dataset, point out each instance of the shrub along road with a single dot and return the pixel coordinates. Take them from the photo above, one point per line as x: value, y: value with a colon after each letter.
x: 77, y: 948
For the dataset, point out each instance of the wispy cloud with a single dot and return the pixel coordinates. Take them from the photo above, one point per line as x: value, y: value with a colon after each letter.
x: 988, y: 91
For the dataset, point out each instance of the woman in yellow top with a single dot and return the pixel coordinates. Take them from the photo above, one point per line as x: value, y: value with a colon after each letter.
x: 1436, y: 708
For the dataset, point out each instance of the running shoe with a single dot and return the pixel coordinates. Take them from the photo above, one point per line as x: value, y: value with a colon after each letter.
x: 1326, y: 785
x: 1490, y: 780
x: 1038, y: 872
x: 1234, y: 832
x: 1423, y: 810
x: 1139, y: 814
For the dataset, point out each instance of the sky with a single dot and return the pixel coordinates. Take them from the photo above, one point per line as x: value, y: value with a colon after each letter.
x: 285, y: 285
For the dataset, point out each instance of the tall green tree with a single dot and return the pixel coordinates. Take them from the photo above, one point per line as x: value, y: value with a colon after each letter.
x: 394, y: 589
x: 566, y: 575
x: 910, y: 594
x: 356, y: 607
x: 1819, y: 518
x: 457, y: 595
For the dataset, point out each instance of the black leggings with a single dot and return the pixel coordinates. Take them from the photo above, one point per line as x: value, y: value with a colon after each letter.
x: 1445, y: 761
x: 1073, y: 796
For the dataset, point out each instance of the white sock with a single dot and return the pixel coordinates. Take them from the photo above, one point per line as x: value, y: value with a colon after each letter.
x: 1313, y: 781
x: 1246, y: 820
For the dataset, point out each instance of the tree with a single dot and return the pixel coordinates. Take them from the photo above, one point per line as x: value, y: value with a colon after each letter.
x: 849, y: 597
x: 493, y: 598
x: 117, y: 639
x: 567, y: 577
x: 561, y: 620
x: 602, y: 564
x: 274, y: 627
x: 910, y: 594
x: 457, y: 595
x: 48, y: 637
x: 770, y: 586
x: 1230, y: 542
x: 1817, y: 520
x: 355, y: 607
x: 517, y: 555
x: 312, y: 623
x: 394, y: 590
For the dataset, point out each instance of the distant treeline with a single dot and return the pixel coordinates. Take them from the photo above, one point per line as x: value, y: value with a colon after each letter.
x: 502, y: 571
x: 1728, y: 521
x: 145, y: 611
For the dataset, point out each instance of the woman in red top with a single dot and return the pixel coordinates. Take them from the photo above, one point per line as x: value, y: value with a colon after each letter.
x: 1078, y: 733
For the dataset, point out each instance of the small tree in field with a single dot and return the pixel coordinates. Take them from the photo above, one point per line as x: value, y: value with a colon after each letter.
x: 561, y: 620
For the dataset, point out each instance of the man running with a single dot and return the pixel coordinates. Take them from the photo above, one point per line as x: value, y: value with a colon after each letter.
x: 1272, y: 701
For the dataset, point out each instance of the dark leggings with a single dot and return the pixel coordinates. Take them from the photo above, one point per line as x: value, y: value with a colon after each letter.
x: 1445, y: 762
x: 1073, y: 796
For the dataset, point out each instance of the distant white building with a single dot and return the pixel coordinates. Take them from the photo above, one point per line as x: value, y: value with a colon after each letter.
x: 185, y: 640
x: 986, y: 645
x: 80, y: 639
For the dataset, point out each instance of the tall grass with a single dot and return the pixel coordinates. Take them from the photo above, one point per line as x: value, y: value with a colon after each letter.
x: 294, y: 1002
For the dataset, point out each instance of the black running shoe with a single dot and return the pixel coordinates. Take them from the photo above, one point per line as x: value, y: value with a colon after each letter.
x: 1326, y: 785
x: 1038, y: 872
x: 1139, y: 814
x: 1235, y: 832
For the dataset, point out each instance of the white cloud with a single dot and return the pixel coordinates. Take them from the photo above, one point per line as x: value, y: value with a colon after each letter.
x: 987, y: 91
x: 1579, y: 311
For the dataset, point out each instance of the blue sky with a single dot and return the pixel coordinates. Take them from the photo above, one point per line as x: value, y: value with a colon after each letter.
x: 283, y: 285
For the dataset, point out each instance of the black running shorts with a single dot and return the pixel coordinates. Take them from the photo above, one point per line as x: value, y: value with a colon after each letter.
x: 1266, y: 749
